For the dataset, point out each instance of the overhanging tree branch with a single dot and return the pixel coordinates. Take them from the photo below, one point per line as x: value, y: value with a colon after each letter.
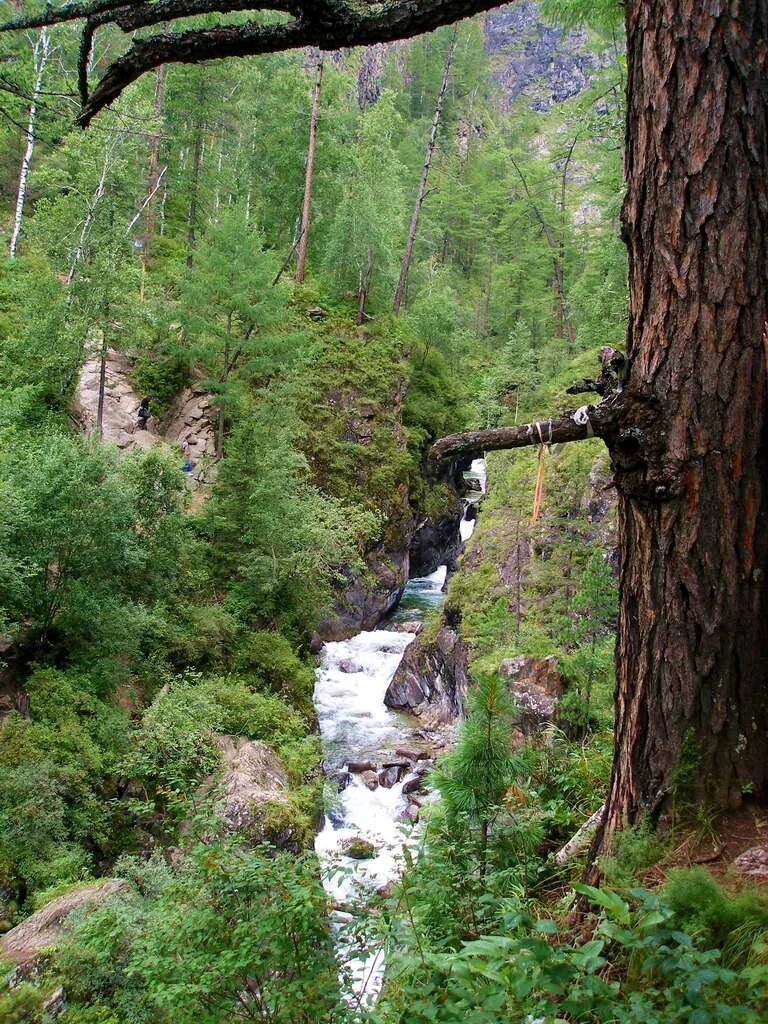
x: 602, y: 420
x: 325, y: 24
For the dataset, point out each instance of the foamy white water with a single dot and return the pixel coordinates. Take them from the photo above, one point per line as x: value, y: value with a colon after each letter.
x: 355, y: 725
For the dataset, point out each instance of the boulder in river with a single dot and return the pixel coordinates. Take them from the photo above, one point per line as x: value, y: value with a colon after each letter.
x: 370, y: 779
x: 432, y: 679
x: 388, y: 777
x: 536, y: 684
x: 412, y: 783
x: 361, y: 766
x: 358, y: 848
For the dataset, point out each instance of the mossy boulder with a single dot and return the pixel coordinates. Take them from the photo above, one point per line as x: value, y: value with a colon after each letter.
x: 358, y: 848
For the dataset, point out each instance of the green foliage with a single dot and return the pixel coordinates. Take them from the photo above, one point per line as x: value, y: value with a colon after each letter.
x: 736, y: 922
x: 527, y: 971
x: 222, y: 934
x: 634, y: 850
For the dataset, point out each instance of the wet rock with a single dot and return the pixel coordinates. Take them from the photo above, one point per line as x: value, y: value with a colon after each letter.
x: 412, y: 783
x: 388, y: 777
x: 343, y: 779
x: 753, y: 862
x: 336, y: 817
x: 45, y: 927
x: 358, y: 848
x: 348, y: 665
x: 536, y: 684
x: 409, y: 755
x: 370, y: 779
x: 437, y: 541
x: 360, y: 766
x: 409, y: 813
x: 432, y: 679
x: 409, y: 627
x: 397, y: 764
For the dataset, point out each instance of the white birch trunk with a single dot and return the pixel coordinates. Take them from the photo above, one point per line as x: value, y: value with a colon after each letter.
x: 40, y: 52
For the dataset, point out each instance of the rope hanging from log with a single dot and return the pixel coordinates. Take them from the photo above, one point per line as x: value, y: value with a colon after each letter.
x: 538, y: 492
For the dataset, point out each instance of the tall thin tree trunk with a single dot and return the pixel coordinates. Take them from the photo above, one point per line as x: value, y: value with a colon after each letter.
x: 153, y: 172
x: 90, y: 216
x: 402, y: 284
x: 40, y: 54
x: 365, y: 284
x: 692, y: 470
x: 306, y: 209
x: 197, y: 167
x: 102, y: 387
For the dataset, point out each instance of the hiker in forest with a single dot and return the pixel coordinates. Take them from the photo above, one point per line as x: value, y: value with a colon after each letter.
x: 144, y: 413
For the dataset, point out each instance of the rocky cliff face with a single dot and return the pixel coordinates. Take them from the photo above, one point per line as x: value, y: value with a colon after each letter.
x: 538, y: 61
x: 189, y: 419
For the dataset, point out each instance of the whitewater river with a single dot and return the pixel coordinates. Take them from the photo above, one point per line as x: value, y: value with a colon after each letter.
x: 355, y: 725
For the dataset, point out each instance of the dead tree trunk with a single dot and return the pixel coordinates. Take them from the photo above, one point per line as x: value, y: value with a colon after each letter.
x: 40, y: 54
x: 402, y: 284
x: 365, y: 284
x: 685, y: 421
x: 197, y: 169
x: 306, y: 209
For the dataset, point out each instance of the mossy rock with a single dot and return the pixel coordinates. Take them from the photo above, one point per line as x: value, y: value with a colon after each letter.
x: 358, y: 848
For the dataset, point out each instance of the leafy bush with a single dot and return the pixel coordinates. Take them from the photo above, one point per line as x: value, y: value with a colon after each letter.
x: 736, y: 922
x: 527, y: 972
x: 223, y: 935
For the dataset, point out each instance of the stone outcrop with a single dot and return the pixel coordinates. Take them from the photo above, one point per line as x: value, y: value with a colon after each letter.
x: 539, y: 61
x: 253, y: 777
x: 189, y: 419
x: 536, y: 685
x: 45, y: 928
x: 753, y: 862
x: 368, y: 597
x: 121, y: 403
x: 432, y: 679
x: 436, y: 542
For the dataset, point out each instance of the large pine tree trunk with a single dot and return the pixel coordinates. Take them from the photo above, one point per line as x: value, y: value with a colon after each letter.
x: 402, y: 284
x: 309, y: 174
x: 692, y: 454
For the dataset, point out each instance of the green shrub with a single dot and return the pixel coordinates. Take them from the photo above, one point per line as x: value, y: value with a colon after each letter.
x: 736, y: 922
x: 634, y: 849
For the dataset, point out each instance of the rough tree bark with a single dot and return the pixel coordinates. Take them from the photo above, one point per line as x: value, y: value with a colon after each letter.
x: 325, y: 24
x: 686, y: 422
x: 306, y: 210
x: 692, y: 654
x: 402, y: 284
